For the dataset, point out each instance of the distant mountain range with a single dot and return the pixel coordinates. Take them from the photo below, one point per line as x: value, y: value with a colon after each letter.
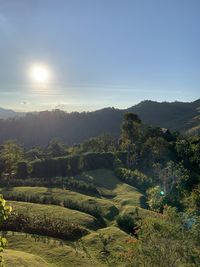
x: 181, y: 116
x: 40, y: 128
x: 9, y: 113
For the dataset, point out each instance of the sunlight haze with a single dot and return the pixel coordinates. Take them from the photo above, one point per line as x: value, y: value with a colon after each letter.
x: 102, y: 53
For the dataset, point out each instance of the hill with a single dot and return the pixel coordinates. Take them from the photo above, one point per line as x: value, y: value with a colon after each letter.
x: 177, y: 116
x: 9, y: 113
x: 27, y: 248
x: 72, y: 128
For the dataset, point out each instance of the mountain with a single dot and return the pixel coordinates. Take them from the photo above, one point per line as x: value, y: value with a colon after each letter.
x: 181, y: 116
x: 9, y: 113
x: 71, y: 128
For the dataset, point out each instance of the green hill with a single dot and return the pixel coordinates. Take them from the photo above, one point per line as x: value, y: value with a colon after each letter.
x: 32, y: 248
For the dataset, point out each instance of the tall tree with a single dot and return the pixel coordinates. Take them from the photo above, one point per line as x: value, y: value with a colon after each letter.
x: 130, y: 135
x: 11, y: 154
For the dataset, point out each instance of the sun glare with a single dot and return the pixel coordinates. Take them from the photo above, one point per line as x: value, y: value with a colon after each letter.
x: 40, y: 73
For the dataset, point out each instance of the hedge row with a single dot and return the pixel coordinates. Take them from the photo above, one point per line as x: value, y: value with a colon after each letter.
x: 134, y: 178
x: 65, y: 166
x: 43, y: 226
x: 92, y: 209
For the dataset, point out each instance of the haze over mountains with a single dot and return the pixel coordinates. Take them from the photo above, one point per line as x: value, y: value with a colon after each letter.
x: 71, y: 128
x: 9, y: 113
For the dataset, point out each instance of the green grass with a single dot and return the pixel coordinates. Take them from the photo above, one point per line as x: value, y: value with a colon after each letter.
x: 52, y: 211
x: 120, y: 194
x: 50, y: 251
x: 107, y: 208
x: 24, y: 250
x: 102, y: 178
x: 117, y: 245
x: 13, y: 258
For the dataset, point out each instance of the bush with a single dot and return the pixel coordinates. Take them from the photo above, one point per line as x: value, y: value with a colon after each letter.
x: 22, y: 170
x: 43, y: 225
x: 134, y: 178
x: 71, y: 165
x: 91, y: 161
x: 126, y: 222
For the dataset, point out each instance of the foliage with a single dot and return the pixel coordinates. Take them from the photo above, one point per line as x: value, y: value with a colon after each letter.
x: 192, y: 201
x: 154, y: 150
x: 70, y: 165
x: 164, y: 242
x: 43, y: 225
x: 91, y: 161
x: 100, y: 144
x: 56, y: 148
x: 22, y: 170
x: 134, y: 178
x: 155, y: 199
x: 92, y: 209
x: 128, y: 222
x: 4, y: 214
x: 11, y: 154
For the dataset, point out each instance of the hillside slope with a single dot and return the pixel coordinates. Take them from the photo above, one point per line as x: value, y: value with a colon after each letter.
x: 175, y: 116
x: 72, y: 128
x: 27, y: 248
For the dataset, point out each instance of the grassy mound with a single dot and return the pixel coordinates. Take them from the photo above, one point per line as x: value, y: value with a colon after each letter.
x: 54, y: 252
x: 116, y: 245
x: 55, y: 212
x: 84, y: 250
x: 14, y: 258
x: 120, y: 194
x: 49, y: 220
x: 74, y: 200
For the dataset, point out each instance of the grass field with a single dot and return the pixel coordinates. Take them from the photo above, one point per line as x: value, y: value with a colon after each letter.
x: 52, y: 211
x: 51, y: 251
x: 22, y: 259
x: 120, y: 194
x: 25, y: 249
x: 107, y: 208
x: 115, y: 196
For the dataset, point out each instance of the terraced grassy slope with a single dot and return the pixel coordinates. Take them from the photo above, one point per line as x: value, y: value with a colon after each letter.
x: 59, y: 195
x: 15, y: 258
x: 114, y: 196
x: 120, y: 194
x: 65, y: 215
x: 53, y: 252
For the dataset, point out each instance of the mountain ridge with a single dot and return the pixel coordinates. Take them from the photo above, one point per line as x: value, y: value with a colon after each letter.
x: 75, y: 127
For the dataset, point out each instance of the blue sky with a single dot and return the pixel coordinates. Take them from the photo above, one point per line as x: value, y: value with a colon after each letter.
x: 99, y: 52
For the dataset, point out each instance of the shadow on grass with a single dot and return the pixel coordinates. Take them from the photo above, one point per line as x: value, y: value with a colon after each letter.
x: 143, y: 202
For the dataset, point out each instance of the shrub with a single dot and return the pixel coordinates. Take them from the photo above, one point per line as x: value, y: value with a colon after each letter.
x: 134, y: 178
x: 43, y: 225
x: 126, y: 222
x: 22, y: 170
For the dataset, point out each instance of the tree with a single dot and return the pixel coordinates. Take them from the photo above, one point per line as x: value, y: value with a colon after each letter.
x: 130, y: 129
x: 155, y: 198
x: 11, y: 154
x: 192, y: 202
x: 130, y: 136
x: 56, y: 148
x: 154, y: 150
x: 164, y: 241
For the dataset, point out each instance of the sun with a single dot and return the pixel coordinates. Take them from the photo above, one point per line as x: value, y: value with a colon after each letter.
x: 40, y: 73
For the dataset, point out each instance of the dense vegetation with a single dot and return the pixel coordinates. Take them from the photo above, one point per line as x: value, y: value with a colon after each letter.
x: 145, y: 183
x: 73, y: 128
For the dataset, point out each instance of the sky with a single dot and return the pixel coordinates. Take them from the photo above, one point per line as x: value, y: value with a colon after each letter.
x: 98, y: 53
